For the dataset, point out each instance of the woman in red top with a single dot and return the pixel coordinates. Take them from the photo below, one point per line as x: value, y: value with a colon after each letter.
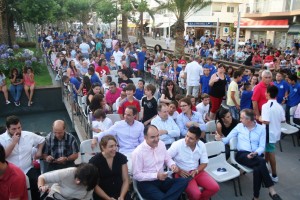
x: 103, y: 68
x: 257, y: 60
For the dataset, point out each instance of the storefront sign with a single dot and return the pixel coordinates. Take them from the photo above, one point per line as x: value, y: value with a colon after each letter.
x: 201, y: 24
x: 225, y: 31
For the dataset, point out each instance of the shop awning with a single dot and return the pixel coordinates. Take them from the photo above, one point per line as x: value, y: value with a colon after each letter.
x: 249, y: 23
x: 165, y: 25
x: 294, y: 29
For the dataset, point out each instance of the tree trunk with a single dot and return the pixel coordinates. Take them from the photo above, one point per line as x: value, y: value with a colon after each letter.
x: 4, y: 31
x: 124, y: 27
x: 141, y: 36
x: 12, y: 30
x: 179, y: 37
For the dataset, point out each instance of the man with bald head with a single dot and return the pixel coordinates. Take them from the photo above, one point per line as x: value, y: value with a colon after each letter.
x: 61, y: 148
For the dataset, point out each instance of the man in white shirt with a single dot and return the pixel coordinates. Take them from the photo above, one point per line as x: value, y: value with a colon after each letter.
x: 192, y: 72
x: 187, y: 153
x: 84, y: 48
x: 272, y: 115
x: 18, y: 146
x: 108, y: 44
x: 129, y: 133
x: 118, y: 55
x: 167, y: 128
x: 203, y: 107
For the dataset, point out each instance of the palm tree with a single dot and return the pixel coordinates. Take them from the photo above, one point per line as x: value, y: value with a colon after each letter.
x: 182, y: 9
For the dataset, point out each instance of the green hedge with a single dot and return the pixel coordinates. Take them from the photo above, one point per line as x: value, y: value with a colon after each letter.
x: 27, y: 44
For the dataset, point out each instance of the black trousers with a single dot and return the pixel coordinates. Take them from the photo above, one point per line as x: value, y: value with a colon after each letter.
x: 260, y: 170
x: 33, y: 175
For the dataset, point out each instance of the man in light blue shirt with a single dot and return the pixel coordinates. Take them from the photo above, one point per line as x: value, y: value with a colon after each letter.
x: 129, y: 133
x: 167, y: 128
x: 251, y: 141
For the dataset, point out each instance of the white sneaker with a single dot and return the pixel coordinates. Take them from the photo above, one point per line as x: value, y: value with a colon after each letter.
x: 7, y: 102
x: 274, y: 179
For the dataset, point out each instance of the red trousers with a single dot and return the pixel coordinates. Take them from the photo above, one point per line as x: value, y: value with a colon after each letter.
x: 204, y: 180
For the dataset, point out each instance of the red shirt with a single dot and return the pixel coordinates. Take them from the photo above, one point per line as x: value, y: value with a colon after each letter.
x: 111, y: 98
x: 126, y: 103
x: 269, y: 59
x: 259, y: 94
x: 13, y: 184
x: 102, y: 70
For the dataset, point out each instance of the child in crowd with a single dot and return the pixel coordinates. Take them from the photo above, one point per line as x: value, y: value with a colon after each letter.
x: 204, y: 81
x: 149, y: 104
x: 173, y: 110
x: 106, y: 83
x: 121, y: 98
x: 246, y: 97
x: 101, y: 122
x: 139, y: 93
x: 209, y: 65
x: 129, y: 101
x: 203, y: 107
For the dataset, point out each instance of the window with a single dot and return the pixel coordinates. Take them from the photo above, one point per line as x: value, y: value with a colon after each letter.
x: 230, y: 9
x: 216, y: 7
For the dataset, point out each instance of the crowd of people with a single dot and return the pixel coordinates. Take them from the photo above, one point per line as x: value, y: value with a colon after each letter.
x: 161, y: 132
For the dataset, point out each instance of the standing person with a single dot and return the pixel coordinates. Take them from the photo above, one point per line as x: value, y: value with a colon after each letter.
x: 12, y: 180
x: 283, y: 89
x: 168, y: 41
x: 149, y: 159
x: 192, y: 72
x: 18, y: 150
x: 61, y: 148
x: 251, y: 141
x: 16, y: 85
x: 149, y: 104
x: 141, y: 60
x: 108, y: 44
x: 164, y: 75
x: 233, y: 95
x: 259, y: 94
x: 139, y: 92
x: 187, y: 154
x: 3, y: 87
x: 272, y: 115
x: 293, y: 99
x: 217, y: 85
x: 113, y: 170
x: 85, y: 49
x: 29, y: 84
x: 117, y: 54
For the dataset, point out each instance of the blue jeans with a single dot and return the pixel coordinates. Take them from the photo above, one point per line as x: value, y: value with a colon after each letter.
x: 16, y: 91
x: 234, y: 112
x: 169, y: 189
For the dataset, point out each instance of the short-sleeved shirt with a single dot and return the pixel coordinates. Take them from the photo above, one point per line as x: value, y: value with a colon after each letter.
x: 18, y: 78
x: 102, y: 70
x: 139, y: 94
x: 193, y: 70
x: 110, y: 180
x: 150, y: 108
x: 127, y: 103
x: 123, y: 83
x: 186, y: 158
x: 13, y: 183
x: 111, y: 98
x: 21, y: 156
x: 60, y: 148
x: 273, y: 113
x: 84, y: 47
x: 95, y: 79
x: 283, y: 87
x: 294, y: 95
x: 259, y: 94
x: 204, y: 81
x: 233, y: 87
x: 246, y: 99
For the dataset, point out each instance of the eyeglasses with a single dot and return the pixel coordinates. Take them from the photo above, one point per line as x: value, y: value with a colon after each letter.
x: 183, y: 105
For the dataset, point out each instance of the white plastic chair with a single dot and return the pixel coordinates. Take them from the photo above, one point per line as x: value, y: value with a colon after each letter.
x: 86, y: 150
x: 28, y: 187
x: 217, y: 149
x: 287, y: 129
x: 114, y: 107
x: 114, y: 117
x: 135, y: 80
x: 114, y: 72
x: 136, y: 191
x: 233, y: 150
x: 211, y: 128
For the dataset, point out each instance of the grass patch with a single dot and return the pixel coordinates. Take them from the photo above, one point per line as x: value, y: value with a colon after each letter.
x: 44, y: 78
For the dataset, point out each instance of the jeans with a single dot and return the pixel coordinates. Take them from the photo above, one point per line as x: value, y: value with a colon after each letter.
x: 260, y: 170
x: 169, y: 189
x: 234, y: 112
x: 16, y: 91
x: 204, y: 180
x: 193, y: 90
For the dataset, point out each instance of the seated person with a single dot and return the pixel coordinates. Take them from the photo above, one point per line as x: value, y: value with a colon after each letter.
x: 112, y: 94
x: 168, y: 93
x: 101, y: 122
x: 113, y: 171
x: 225, y: 123
x: 70, y: 183
x: 149, y: 104
x: 203, y: 107
x: 173, y: 113
x: 167, y: 128
x: 187, y: 154
x: 148, y: 161
x: 250, y: 148
x: 189, y: 118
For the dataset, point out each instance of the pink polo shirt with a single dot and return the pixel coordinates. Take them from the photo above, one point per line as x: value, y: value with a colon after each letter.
x: 111, y: 98
x: 148, y: 161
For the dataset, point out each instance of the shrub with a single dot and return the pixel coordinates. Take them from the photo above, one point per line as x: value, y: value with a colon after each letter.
x: 27, y: 44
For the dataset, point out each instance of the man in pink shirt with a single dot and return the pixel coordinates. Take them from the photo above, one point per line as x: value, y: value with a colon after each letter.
x: 148, y: 161
x: 112, y: 94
